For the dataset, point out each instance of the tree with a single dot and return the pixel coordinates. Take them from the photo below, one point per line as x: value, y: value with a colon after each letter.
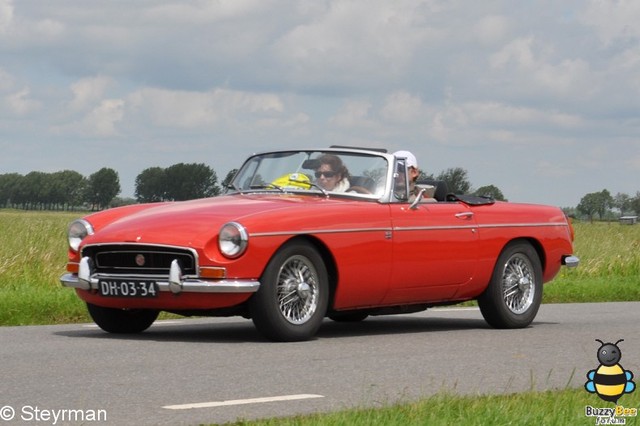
x: 102, y: 187
x: 423, y: 176
x: 456, y: 179
x: 67, y: 188
x: 622, y: 202
x: 490, y: 191
x: 9, y: 183
x: 33, y: 190
x: 595, y: 203
x: 635, y: 203
x: 191, y: 181
x: 151, y: 185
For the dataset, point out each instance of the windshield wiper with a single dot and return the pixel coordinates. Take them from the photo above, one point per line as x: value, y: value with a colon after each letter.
x: 283, y: 190
x: 311, y: 184
x: 268, y: 186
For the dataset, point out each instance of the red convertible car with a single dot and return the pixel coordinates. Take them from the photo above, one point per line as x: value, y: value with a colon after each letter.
x: 301, y: 235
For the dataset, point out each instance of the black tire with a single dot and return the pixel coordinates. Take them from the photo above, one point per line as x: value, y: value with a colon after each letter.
x: 293, y: 296
x: 514, y: 294
x: 122, y: 321
x: 349, y: 317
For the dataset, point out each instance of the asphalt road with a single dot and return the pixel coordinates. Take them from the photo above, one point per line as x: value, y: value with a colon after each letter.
x: 219, y: 370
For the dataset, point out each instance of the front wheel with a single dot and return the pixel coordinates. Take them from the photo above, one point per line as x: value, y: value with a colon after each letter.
x: 293, y: 295
x: 122, y: 321
x: 514, y: 294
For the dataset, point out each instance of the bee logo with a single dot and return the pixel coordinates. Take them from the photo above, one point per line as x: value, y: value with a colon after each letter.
x: 610, y: 380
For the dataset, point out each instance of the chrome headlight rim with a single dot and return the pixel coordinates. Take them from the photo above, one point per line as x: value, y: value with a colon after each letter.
x: 78, y: 230
x: 233, y: 240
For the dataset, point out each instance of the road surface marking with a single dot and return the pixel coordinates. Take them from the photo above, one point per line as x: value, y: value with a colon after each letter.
x: 241, y: 401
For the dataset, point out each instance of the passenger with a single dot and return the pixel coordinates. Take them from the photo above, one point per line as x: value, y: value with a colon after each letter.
x: 412, y: 166
x: 332, y: 175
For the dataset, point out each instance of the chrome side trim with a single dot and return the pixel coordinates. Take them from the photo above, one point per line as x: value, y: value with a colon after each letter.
x: 476, y: 226
x: 434, y: 228
x: 523, y: 225
x: 318, y: 231
x: 411, y: 228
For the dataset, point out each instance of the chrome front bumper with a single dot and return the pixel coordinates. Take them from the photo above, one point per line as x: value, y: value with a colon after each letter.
x: 86, y: 279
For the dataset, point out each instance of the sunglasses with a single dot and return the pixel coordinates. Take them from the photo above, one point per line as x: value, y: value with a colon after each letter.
x: 326, y: 174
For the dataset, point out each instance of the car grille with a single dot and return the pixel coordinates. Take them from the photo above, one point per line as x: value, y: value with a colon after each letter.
x: 139, y: 259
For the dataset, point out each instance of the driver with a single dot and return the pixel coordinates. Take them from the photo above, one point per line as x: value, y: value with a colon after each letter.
x: 331, y: 174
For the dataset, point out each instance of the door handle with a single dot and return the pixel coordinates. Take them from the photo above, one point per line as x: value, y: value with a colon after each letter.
x: 464, y: 215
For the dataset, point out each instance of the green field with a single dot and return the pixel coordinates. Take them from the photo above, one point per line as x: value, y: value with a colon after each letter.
x: 33, y: 256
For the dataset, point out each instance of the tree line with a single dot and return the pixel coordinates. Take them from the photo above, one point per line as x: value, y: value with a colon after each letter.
x: 65, y: 190
x: 69, y: 190
x: 601, y: 205
x: 605, y: 206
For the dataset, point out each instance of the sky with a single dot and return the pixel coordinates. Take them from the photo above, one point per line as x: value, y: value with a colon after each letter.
x: 539, y: 98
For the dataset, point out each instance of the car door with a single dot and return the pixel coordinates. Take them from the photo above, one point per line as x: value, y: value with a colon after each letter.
x: 435, y: 250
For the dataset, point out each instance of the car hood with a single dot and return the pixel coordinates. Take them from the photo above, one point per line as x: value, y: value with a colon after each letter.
x: 193, y: 223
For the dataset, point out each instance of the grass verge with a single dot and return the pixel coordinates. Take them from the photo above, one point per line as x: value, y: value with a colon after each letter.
x: 562, y: 407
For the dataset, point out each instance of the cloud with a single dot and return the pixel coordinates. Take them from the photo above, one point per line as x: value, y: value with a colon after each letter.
x: 354, y: 43
x: 89, y: 91
x: 529, y: 66
x: 20, y: 103
x: 6, y: 81
x: 354, y: 114
x: 100, y: 122
x: 633, y: 162
x: 6, y: 15
x: 551, y: 169
x: 492, y: 29
x: 183, y: 109
x: 402, y: 107
x: 531, y: 89
x: 613, y: 20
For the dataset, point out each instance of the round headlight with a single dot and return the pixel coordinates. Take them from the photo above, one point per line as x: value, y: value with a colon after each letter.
x: 78, y: 231
x: 233, y: 240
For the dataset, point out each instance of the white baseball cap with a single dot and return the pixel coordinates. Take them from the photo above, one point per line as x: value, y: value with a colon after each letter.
x: 410, y: 158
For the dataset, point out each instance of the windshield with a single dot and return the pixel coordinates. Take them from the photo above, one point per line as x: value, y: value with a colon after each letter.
x: 349, y: 173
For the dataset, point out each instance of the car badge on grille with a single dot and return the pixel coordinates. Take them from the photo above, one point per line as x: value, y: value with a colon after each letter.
x: 140, y: 260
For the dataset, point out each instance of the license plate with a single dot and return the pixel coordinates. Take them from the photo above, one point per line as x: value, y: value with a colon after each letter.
x: 128, y: 288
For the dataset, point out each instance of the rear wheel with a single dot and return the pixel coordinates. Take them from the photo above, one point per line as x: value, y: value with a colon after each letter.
x: 293, y: 295
x: 122, y: 321
x: 513, y: 296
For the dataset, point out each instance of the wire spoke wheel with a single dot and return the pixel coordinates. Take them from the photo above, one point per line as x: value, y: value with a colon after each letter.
x: 294, y: 294
x: 518, y: 287
x: 514, y: 294
x: 297, y: 290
